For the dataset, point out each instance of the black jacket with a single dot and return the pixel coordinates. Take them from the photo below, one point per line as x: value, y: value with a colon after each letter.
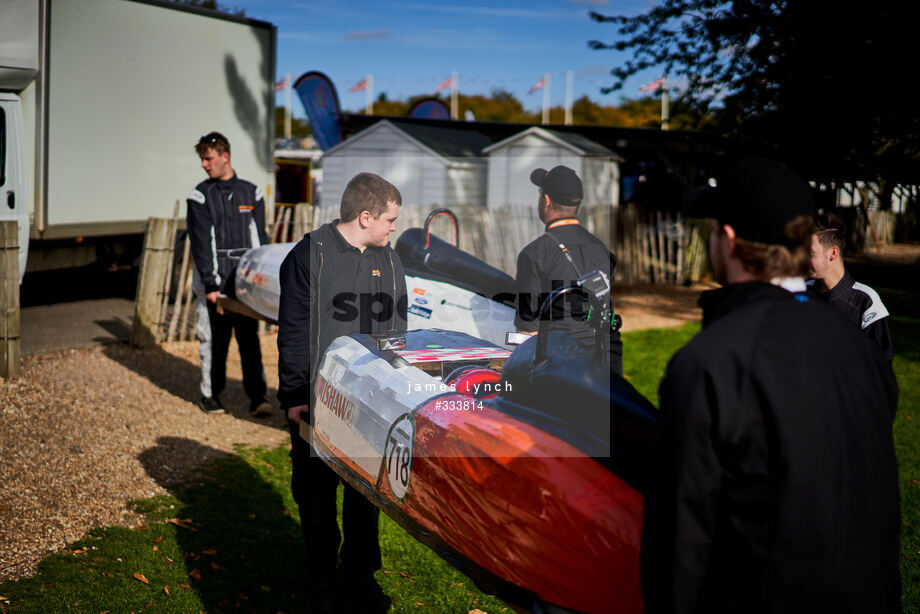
x: 542, y: 267
x: 223, y: 215
x: 860, y: 305
x: 329, y: 289
x: 777, y: 486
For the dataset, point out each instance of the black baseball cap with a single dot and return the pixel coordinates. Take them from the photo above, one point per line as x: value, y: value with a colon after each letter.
x: 561, y: 183
x: 757, y: 198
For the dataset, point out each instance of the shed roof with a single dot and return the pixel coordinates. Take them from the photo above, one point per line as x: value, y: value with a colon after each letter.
x: 446, y: 141
x: 578, y: 143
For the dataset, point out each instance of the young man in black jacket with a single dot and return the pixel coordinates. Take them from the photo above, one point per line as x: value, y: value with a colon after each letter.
x: 340, y: 279
x: 776, y: 489
x: 834, y: 285
x: 226, y: 215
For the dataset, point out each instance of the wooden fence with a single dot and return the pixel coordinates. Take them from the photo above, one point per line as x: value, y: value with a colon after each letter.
x: 651, y: 247
x: 9, y: 299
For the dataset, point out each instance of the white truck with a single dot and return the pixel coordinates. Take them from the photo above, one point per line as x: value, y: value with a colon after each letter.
x: 101, y: 104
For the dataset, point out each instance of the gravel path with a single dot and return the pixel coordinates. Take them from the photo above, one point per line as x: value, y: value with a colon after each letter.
x: 82, y: 432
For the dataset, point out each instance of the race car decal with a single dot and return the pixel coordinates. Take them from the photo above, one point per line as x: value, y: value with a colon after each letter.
x: 336, y: 402
x: 422, y: 312
x: 397, y: 456
x: 439, y: 355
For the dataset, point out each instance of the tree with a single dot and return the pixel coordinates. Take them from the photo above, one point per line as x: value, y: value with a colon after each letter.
x: 212, y: 5
x: 808, y: 80
x: 300, y: 128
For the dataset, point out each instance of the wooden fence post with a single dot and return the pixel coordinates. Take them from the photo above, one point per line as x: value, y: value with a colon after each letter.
x: 303, y: 221
x: 159, y: 242
x: 9, y: 299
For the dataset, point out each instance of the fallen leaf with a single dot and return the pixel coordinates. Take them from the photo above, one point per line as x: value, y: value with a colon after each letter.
x: 475, y: 612
x: 105, y: 611
x: 2, y: 598
x: 209, y: 552
x: 216, y: 566
x: 155, y: 548
x: 166, y: 589
x: 252, y: 516
x: 419, y: 603
x: 268, y: 465
x: 170, y: 560
x: 158, y: 540
x: 185, y: 586
x: 81, y: 551
x: 265, y: 588
x: 149, y: 604
x: 195, y: 574
x: 141, y: 527
x: 141, y: 577
x: 181, y: 523
x: 223, y: 602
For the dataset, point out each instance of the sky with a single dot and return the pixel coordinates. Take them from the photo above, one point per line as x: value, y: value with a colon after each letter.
x: 411, y: 46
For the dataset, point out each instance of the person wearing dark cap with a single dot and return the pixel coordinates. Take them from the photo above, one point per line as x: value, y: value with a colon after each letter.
x: 776, y: 486
x: 555, y: 259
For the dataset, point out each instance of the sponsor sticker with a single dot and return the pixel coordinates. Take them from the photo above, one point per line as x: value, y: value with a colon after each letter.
x: 376, y: 272
x: 421, y: 301
x: 336, y: 402
x: 419, y: 291
x: 422, y: 312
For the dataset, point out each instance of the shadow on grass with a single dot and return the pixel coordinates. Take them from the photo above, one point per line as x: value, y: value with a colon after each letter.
x: 223, y: 541
x: 242, y: 548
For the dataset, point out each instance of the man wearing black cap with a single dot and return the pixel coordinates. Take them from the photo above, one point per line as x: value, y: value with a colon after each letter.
x: 776, y: 488
x: 559, y: 257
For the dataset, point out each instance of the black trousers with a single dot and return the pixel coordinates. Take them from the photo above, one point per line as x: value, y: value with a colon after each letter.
x: 247, y: 339
x: 314, y: 486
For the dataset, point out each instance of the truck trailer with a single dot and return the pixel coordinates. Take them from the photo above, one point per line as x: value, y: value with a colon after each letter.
x: 101, y: 104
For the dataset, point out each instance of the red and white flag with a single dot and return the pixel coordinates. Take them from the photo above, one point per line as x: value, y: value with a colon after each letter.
x: 360, y: 85
x: 445, y: 84
x: 653, y: 86
x: 538, y: 85
x: 280, y: 85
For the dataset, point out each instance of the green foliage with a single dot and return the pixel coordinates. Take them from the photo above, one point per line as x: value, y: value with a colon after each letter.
x: 502, y: 106
x: 793, y: 76
x: 300, y: 128
x: 212, y: 5
x: 646, y: 354
x: 905, y: 332
x: 231, y: 540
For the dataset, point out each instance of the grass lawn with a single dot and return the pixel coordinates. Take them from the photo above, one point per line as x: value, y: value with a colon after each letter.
x: 231, y: 540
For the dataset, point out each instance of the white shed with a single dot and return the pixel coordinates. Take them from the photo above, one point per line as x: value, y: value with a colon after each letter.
x: 429, y: 165
x: 510, y: 162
